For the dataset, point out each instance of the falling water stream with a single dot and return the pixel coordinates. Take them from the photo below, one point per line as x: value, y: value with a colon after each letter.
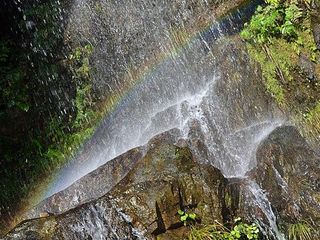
x: 179, y: 92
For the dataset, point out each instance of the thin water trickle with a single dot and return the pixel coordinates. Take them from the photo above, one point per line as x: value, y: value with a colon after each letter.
x: 259, y: 199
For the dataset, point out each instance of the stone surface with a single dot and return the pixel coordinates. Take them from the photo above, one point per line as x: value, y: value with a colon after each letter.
x: 96, y: 220
x: 288, y: 170
x: 315, y: 21
x: 148, y: 198
x: 168, y: 177
x: 91, y: 186
x: 123, y: 39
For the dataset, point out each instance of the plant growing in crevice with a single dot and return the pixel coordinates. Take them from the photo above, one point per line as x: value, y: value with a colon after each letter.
x: 79, y: 61
x: 186, y: 217
x: 312, y: 116
x: 218, y: 231
x: 301, y: 231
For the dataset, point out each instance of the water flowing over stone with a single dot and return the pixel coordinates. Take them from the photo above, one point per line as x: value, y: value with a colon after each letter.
x: 198, y: 79
x: 166, y: 178
x: 199, y: 111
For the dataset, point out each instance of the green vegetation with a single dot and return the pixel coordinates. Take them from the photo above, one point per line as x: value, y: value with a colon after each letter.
x: 66, y: 143
x: 79, y: 61
x: 186, y: 217
x: 313, y: 116
x: 300, y: 231
x: 279, y: 37
x: 273, y: 21
x: 49, y: 126
x: 65, y: 139
x: 13, y: 93
x: 217, y: 231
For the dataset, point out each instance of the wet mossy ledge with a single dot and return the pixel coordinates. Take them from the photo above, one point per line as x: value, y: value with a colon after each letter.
x: 283, y: 37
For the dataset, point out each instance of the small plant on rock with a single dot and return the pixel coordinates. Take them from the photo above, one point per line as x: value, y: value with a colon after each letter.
x: 250, y: 231
x: 300, y: 231
x: 186, y: 217
x: 218, y: 231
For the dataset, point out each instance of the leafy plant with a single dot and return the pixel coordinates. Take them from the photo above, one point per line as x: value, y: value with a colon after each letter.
x: 186, y: 217
x: 273, y: 21
x: 300, y: 231
x: 13, y: 92
x: 217, y: 231
x: 250, y: 231
x: 79, y: 61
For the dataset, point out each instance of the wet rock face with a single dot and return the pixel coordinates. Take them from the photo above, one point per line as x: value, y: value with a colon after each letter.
x: 145, y: 202
x: 168, y: 180
x: 92, y: 186
x: 97, y: 220
x: 288, y: 170
x: 130, y: 34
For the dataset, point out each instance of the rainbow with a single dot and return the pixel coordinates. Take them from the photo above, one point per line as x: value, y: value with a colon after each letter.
x: 180, y: 39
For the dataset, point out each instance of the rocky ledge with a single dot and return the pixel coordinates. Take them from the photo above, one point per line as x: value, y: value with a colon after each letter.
x: 165, y: 176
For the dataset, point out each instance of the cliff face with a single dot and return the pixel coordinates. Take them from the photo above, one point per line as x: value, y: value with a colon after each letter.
x: 61, y: 60
x: 138, y: 194
x: 168, y: 178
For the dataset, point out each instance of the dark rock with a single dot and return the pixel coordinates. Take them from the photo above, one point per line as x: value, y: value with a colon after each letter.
x: 92, y: 186
x: 307, y: 67
x: 288, y: 170
x: 145, y: 201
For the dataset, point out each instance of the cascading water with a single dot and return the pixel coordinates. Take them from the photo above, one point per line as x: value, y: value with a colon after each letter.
x: 259, y: 199
x: 181, y: 91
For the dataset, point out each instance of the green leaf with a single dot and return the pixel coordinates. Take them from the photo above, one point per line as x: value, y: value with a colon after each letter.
x: 192, y: 216
x: 180, y: 212
x: 184, y: 218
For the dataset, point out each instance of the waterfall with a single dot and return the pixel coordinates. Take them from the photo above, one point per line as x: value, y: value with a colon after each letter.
x: 187, y: 86
x: 259, y: 199
x: 173, y: 92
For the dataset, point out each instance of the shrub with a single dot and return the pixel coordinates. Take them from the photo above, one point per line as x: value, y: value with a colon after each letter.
x: 273, y: 21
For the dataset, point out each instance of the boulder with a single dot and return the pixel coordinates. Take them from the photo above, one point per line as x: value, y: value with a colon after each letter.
x: 288, y: 171
x: 282, y: 189
x: 144, y: 203
x: 91, y: 186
